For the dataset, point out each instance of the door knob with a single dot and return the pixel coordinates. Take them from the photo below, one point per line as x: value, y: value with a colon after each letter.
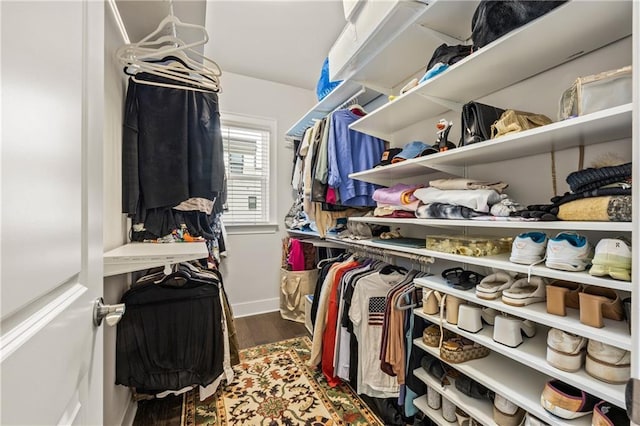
x: 112, y: 313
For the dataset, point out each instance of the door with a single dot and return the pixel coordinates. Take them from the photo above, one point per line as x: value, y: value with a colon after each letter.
x: 51, y: 211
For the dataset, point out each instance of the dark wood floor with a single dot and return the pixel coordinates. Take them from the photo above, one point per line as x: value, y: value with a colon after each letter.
x: 252, y: 331
x: 266, y: 328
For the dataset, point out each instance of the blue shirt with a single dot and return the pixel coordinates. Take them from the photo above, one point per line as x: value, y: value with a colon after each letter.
x: 350, y: 151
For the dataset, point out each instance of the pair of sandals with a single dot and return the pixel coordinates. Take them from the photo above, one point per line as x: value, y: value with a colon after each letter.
x: 461, y: 279
x: 513, y: 291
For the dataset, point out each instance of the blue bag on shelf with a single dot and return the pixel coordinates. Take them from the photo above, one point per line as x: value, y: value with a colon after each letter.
x: 325, y: 86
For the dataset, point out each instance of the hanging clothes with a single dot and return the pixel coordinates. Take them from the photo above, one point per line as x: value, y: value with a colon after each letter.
x: 350, y: 151
x: 172, y: 156
x: 177, y: 332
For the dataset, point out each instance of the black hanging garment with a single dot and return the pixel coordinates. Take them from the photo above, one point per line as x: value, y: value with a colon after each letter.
x: 171, y: 335
x: 171, y: 151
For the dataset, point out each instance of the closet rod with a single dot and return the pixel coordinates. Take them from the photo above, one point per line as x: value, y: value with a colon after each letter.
x: 351, y: 99
x: 385, y: 255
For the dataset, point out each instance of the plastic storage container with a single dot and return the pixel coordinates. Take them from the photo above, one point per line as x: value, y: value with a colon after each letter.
x: 469, y: 245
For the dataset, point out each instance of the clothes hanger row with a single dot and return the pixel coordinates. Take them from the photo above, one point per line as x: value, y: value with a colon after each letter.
x: 169, y: 57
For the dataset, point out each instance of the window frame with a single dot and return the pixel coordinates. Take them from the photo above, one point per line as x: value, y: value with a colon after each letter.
x: 263, y: 124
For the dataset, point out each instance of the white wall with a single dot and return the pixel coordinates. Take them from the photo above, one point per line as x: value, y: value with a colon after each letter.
x: 117, y: 399
x: 251, y: 270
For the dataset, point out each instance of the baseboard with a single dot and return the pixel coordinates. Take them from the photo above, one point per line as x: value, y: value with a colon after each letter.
x: 255, y: 307
x: 130, y: 414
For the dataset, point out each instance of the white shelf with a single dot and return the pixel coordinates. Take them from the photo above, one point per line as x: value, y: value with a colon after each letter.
x: 139, y: 256
x: 479, y: 409
x: 507, y: 377
x: 558, y: 37
x: 341, y: 94
x: 435, y: 415
x: 533, y: 353
x: 541, y: 225
x: 614, y: 333
x: 406, y: 36
x: 501, y: 261
x: 602, y: 126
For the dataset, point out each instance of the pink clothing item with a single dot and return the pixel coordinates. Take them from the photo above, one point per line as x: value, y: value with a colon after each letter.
x: 398, y: 194
x: 331, y: 196
x: 296, y: 255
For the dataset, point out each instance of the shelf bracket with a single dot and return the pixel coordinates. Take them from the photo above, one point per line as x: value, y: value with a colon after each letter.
x: 452, y: 105
x: 446, y: 38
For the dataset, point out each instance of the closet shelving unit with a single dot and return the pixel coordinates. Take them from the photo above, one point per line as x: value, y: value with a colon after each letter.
x: 139, y: 256
x: 347, y: 91
x: 479, y: 409
x: 554, y: 39
x: 598, y: 127
x: 507, y: 377
x: 544, y: 43
x: 392, y: 41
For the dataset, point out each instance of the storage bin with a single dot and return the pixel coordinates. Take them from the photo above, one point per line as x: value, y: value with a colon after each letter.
x: 469, y: 245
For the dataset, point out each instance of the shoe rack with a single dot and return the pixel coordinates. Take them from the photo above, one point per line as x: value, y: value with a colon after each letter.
x: 558, y: 38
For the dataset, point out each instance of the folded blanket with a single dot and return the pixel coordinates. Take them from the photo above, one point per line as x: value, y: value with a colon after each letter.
x: 396, y: 194
x: 598, y: 209
x: 462, y: 183
x: 479, y: 199
x: 446, y: 211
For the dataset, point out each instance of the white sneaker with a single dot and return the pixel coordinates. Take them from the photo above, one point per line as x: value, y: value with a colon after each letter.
x: 613, y: 257
x: 568, y: 252
x: 529, y: 248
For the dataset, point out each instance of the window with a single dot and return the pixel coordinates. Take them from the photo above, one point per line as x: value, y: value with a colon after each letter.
x: 246, y: 158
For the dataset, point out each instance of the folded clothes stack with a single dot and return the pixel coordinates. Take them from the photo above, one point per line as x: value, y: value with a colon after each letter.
x: 600, y: 194
x: 396, y: 201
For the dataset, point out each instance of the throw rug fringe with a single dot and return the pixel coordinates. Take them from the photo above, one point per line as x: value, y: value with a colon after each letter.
x: 274, y: 386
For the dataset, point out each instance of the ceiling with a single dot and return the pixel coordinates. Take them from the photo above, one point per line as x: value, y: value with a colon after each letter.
x: 281, y: 41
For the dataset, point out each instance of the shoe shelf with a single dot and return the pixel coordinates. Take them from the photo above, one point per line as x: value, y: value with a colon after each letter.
x: 505, y: 376
x: 139, y: 256
x: 338, y: 96
x: 479, y: 409
x: 554, y: 39
x: 435, y: 415
x: 500, y: 261
x: 529, y: 225
x: 615, y: 333
x: 601, y: 126
x: 532, y: 352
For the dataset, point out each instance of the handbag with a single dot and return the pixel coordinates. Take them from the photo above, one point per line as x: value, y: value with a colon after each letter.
x: 294, y: 286
x: 476, y: 121
x: 494, y: 18
x: 512, y: 121
x: 596, y: 92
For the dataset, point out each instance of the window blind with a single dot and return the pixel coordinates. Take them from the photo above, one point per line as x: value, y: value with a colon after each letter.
x: 246, y: 159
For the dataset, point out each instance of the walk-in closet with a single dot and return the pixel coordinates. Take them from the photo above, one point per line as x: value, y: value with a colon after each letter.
x: 319, y: 212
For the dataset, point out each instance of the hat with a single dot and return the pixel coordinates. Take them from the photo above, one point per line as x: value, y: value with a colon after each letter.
x: 388, y: 155
x: 412, y: 150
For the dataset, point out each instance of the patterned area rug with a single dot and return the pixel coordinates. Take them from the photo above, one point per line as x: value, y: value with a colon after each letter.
x: 273, y: 386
